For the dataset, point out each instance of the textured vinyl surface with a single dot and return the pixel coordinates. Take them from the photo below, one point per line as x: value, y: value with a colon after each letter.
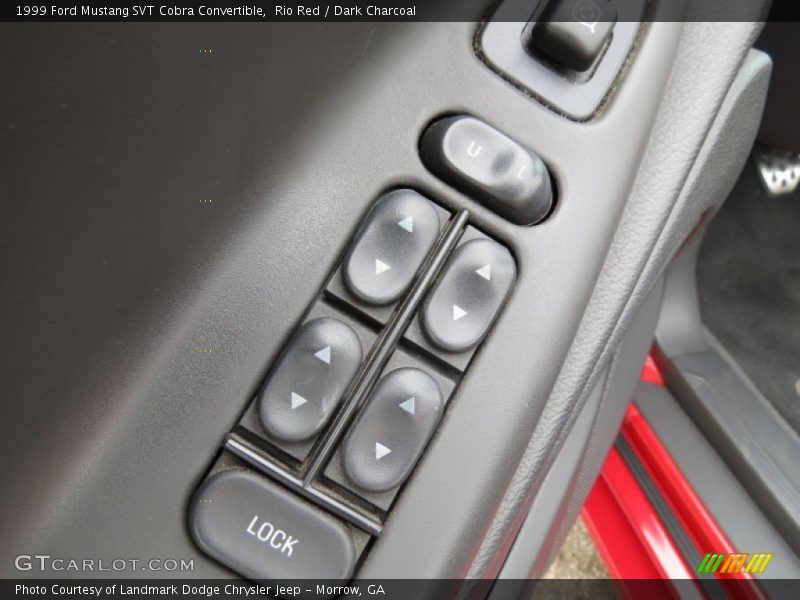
x: 669, y: 196
x: 168, y: 215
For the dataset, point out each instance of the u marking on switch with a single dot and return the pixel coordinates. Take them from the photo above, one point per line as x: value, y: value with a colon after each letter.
x: 474, y: 149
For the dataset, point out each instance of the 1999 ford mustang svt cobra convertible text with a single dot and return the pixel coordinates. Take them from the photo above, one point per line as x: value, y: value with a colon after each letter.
x: 480, y: 299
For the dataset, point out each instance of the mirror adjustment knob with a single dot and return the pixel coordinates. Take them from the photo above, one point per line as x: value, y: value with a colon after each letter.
x: 482, y: 162
x: 459, y: 311
x: 572, y: 33
x: 307, y: 382
x: 262, y: 531
x: 389, y: 248
x: 392, y: 431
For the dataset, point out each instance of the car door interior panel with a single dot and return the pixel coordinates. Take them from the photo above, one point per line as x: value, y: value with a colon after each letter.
x: 357, y: 300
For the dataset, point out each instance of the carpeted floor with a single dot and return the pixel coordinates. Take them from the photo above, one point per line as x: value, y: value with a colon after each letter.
x: 749, y: 284
x: 578, y: 557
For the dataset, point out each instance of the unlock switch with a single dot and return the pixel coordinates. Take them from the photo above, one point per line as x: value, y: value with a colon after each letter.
x: 482, y: 162
x: 458, y: 313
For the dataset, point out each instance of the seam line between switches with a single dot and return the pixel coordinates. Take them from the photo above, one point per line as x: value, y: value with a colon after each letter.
x: 386, y: 343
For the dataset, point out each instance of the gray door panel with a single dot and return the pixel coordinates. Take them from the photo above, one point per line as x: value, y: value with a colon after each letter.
x: 168, y: 215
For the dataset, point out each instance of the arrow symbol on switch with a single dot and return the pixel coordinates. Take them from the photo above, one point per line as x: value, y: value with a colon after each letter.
x: 380, y: 266
x: 381, y: 451
x: 409, y: 405
x: 485, y: 271
x: 297, y: 400
x: 458, y: 312
x: 324, y: 355
x: 407, y: 224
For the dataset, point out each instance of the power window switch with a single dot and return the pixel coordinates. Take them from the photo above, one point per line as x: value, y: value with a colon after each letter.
x: 390, y: 246
x: 308, y: 381
x: 393, y: 430
x: 458, y: 313
x: 572, y: 33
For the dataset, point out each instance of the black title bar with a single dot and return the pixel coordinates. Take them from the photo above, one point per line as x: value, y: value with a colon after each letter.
x: 368, y: 10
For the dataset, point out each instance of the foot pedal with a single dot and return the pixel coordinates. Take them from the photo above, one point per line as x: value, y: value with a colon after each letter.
x: 779, y: 170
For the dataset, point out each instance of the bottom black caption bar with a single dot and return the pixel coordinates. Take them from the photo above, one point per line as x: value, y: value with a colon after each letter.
x: 391, y: 589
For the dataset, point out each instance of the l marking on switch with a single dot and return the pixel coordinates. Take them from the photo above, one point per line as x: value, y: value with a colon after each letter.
x: 458, y: 312
x: 380, y: 266
x: 381, y: 451
x: 485, y: 271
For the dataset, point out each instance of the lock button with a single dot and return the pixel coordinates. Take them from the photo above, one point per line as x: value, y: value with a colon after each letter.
x: 263, y: 531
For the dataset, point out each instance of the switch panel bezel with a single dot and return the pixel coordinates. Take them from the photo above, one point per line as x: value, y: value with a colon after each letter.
x: 313, y: 469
